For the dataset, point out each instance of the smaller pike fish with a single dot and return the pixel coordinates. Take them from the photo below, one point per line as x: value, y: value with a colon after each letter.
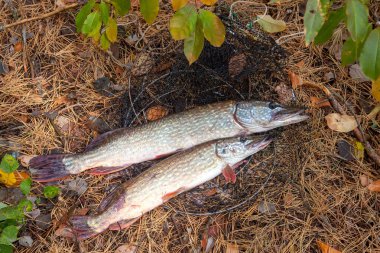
x: 120, y: 148
x: 165, y: 180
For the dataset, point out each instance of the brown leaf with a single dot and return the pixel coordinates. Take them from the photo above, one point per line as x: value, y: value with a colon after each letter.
x: 284, y: 92
x: 18, y: 47
x: 374, y: 186
x: 341, y: 123
x: 300, y: 64
x: 143, y: 65
x: 345, y: 150
x: 294, y: 79
x: 232, y: 248
x: 25, y: 159
x: 210, y: 192
x: 61, y: 100
x: 82, y: 211
x: 156, y: 112
x: 325, y: 248
x: 365, y: 180
x: 319, y: 102
x: 237, y: 64
x: 126, y: 248
x: 64, y: 231
x: 288, y: 199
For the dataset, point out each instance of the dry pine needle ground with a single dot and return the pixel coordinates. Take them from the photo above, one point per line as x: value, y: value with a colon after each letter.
x: 313, y: 194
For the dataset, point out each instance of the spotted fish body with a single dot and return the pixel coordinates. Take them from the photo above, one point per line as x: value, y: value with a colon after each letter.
x: 165, y: 180
x: 120, y: 148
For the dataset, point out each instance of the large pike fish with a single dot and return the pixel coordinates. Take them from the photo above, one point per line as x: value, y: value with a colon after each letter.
x: 120, y: 148
x: 165, y: 180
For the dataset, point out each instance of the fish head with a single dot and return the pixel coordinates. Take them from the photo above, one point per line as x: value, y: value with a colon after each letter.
x: 260, y: 116
x: 234, y: 150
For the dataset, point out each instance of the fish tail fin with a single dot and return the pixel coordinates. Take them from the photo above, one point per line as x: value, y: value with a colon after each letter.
x: 81, y: 228
x: 48, y: 168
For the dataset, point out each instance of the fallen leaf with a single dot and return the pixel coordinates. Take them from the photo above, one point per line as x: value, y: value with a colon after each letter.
x: 63, y: 123
x: 341, y: 123
x: 329, y: 76
x: 325, y: 248
x: 126, y: 248
x: 374, y: 186
x: 79, y: 185
x: 294, y: 79
x: 359, y: 150
x: 345, y: 150
x: 25, y: 159
x: 61, y: 100
x: 210, y: 192
x: 237, y: 64
x: 82, y: 211
x: 376, y: 89
x: 25, y: 241
x: 300, y: 64
x: 18, y: 47
x: 271, y: 25
x: 232, y: 248
x: 266, y: 207
x: 13, y: 179
x: 319, y: 102
x: 156, y: 112
x: 64, y: 231
x: 285, y: 93
x: 97, y: 124
x: 143, y: 64
x: 356, y: 73
x: 365, y: 180
x: 288, y: 199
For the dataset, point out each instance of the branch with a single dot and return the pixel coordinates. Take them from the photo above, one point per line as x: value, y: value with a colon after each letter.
x: 46, y: 15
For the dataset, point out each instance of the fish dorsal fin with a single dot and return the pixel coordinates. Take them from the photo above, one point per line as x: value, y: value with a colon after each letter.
x: 99, y: 140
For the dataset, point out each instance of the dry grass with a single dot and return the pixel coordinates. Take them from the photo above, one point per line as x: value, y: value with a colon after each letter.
x: 316, y: 195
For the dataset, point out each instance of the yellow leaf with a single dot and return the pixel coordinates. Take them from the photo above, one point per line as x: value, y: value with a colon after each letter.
x: 376, y: 89
x: 111, y: 30
x: 178, y: 4
x: 359, y: 150
x: 271, y: 25
x: 374, y: 186
x: 8, y: 179
x: 325, y: 248
x: 209, y: 2
x: 341, y: 123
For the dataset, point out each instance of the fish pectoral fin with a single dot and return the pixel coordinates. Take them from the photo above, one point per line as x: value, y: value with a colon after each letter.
x: 123, y: 224
x: 106, y: 170
x: 229, y: 174
x: 170, y: 195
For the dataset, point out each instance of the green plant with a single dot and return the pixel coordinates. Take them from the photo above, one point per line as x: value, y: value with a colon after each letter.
x: 189, y: 23
x: 363, y: 45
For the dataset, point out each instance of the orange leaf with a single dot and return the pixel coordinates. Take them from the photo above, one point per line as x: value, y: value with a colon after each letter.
x: 156, y: 112
x: 209, y: 2
x: 178, y: 4
x: 301, y: 64
x: 232, y: 248
x: 319, y: 102
x: 61, y: 100
x: 374, y: 186
x: 325, y: 248
x: 18, y: 47
x: 13, y: 179
x: 376, y: 89
x: 294, y: 79
x: 210, y: 192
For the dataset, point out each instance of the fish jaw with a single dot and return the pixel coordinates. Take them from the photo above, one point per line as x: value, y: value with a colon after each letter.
x: 260, y: 116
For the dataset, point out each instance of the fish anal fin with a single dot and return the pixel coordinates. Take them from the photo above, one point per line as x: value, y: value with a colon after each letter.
x: 229, y: 174
x: 106, y: 170
x: 170, y: 195
x: 124, y: 224
x: 99, y: 140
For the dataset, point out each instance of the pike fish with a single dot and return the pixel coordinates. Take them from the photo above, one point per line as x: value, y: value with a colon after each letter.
x: 165, y: 180
x: 123, y: 147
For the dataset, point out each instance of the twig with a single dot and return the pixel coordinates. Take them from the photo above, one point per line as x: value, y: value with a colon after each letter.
x: 359, y: 133
x: 374, y: 112
x: 46, y: 15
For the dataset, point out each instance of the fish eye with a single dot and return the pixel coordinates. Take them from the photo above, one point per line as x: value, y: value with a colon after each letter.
x: 273, y: 105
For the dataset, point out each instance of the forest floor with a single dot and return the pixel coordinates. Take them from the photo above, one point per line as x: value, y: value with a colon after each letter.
x: 308, y: 186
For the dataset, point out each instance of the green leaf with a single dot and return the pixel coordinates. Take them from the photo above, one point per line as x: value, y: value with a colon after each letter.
x: 350, y: 52
x: 122, y: 7
x: 271, y: 25
x: 370, y: 55
x: 329, y: 26
x: 9, y: 235
x: 182, y: 24
x: 6, y: 248
x: 104, y: 11
x: 10, y: 212
x: 104, y: 42
x: 313, y: 20
x: 324, y: 6
x: 25, y: 205
x: 83, y: 13
x: 25, y: 186
x: 8, y: 164
x: 357, y: 19
x: 213, y: 28
x: 193, y: 45
x: 91, y: 24
x: 7, y: 223
x: 111, y: 30
x: 2, y: 205
x: 149, y: 10
x: 51, y: 191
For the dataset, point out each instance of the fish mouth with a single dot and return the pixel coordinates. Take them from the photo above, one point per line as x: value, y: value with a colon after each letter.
x: 258, y: 144
x: 291, y: 115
